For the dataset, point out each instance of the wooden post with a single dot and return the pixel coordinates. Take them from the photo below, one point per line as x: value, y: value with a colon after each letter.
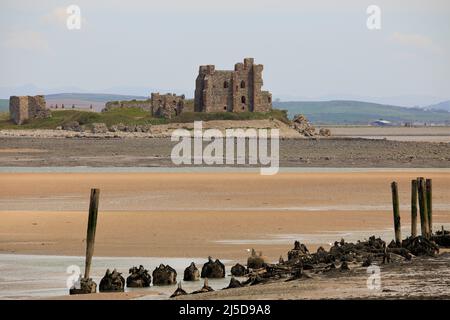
x: 396, y: 209
x: 92, y: 224
x: 413, y: 208
x: 429, y: 188
x: 423, y: 207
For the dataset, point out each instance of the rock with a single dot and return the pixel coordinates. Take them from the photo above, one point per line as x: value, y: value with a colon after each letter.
x: 99, y: 128
x: 112, y: 282
x: 368, y: 261
x: 205, y: 288
x: 138, y: 278
x: 83, y: 286
x: 238, y: 270
x: 255, y: 261
x: 191, y: 273
x: 234, y: 283
x: 179, y: 292
x: 303, y: 126
x: 164, y: 275
x: 420, y: 246
x: 298, y: 251
x: 344, y: 266
x: 213, y: 269
x: 324, y: 132
x: 72, y: 126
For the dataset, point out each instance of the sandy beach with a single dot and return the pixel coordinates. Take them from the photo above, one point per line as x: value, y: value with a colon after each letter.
x: 201, y: 214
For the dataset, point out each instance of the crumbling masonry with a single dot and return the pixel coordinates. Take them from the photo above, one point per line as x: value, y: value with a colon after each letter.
x: 22, y: 108
x: 232, y: 91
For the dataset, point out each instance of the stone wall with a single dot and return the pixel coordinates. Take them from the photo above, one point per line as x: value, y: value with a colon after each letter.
x: 166, y: 105
x: 143, y: 104
x: 232, y: 91
x: 23, y: 108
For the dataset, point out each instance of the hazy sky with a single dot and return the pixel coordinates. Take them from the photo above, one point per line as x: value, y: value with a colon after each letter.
x: 309, y: 48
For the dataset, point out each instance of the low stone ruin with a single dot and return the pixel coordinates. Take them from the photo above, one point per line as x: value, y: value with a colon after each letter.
x: 238, y: 270
x: 24, y: 108
x: 191, y: 273
x: 112, y: 282
x: 138, y: 278
x: 72, y: 126
x: 99, y: 128
x: 120, y: 127
x: 164, y: 275
x: 213, y: 269
x: 324, y: 132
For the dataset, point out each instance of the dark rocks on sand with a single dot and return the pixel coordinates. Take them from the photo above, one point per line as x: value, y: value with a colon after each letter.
x: 179, y: 292
x: 205, y: 288
x: 138, y: 278
x: 255, y: 261
x: 213, y: 269
x: 112, y: 282
x: 298, y: 251
x: 234, y: 283
x: 84, y: 286
x: 191, y: 273
x: 238, y: 270
x: 344, y: 266
x: 164, y: 275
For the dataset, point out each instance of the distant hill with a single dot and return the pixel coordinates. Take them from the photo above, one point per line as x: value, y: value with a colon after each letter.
x: 359, y: 112
x: 4, y: 105
x: 444, y: 105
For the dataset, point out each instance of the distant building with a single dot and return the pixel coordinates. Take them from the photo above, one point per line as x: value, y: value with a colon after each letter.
x: 381, y: 123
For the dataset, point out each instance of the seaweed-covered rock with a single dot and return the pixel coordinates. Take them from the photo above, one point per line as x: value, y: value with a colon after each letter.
x: 191, y: 273
x: 213, y: 269
x: 205, y: 288
x: 298, y: 251
x: 255, y: 261
x: 138, y: 278
x: 234, y: 283
x: 112, y: 282
x: 83, y: 286
x: 238, y: 270
x: 179, y: 292
x: 164, y: 275
x: 344, y: 266
x: 420, y: 246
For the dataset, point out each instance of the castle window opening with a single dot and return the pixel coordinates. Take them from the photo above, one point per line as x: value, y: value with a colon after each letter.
x: 242, y: 84
x: 243, y: 99
x: 225, y: 108
x: 225, y: 84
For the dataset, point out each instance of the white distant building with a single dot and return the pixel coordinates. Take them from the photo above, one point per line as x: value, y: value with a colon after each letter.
x: 381, y: 123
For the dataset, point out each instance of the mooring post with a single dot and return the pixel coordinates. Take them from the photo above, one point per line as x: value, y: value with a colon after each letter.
x: 92, y: 224
x: 423, y: 207
x: 429, y: 192
x: 413, y: 208
x: 396, y: 209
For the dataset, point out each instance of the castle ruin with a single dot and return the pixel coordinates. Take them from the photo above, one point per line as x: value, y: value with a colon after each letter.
x: 23, y: 108
x: 232, y: 91
x: 166, y: 105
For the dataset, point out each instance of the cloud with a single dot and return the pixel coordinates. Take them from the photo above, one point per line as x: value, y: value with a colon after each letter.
x: 417, y: 41
x: 26, y: 40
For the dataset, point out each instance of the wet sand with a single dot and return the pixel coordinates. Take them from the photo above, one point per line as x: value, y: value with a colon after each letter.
x: 201, y: 214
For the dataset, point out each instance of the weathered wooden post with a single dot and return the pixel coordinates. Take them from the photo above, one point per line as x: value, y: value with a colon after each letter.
x: 429, y: 188
x: 86, y: 284
x: 423, y: 207
x: 413, y: 208
x: 91, y: 227
x: 396, y: 209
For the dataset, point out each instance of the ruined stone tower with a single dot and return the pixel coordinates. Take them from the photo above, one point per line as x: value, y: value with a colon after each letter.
x: 232, y: 91
x: 23, y: 108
